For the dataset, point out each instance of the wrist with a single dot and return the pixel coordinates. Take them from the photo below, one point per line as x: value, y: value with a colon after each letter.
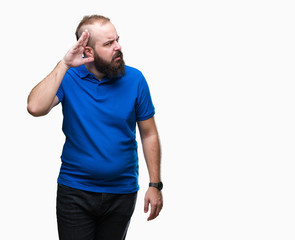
x: 64, y: 65
x: 158, y: 185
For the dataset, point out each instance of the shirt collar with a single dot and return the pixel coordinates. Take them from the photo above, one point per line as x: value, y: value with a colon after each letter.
x: 82, y: 71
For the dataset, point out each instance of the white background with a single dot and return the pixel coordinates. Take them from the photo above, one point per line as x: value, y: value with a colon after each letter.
x: 221, y: 74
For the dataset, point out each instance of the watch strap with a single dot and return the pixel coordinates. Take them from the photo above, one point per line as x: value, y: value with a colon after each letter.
x: 158, y: 185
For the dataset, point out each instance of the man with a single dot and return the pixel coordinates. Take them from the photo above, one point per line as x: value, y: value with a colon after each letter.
x: 102, y: 100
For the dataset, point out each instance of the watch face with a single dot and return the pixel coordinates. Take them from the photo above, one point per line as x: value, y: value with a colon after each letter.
x: 157, y: 185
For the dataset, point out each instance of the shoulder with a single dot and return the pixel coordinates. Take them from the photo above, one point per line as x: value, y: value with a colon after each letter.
x: 77, y: 72
x: 132, y: 71
x: 133, y: 74
x: 74, y: 73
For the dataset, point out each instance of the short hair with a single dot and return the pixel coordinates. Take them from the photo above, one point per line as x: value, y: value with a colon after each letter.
x: 87, y: 20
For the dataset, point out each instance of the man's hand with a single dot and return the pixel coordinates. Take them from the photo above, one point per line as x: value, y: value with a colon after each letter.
x: 73, y: 58
x: 43, y: 96
x: 154, y: 198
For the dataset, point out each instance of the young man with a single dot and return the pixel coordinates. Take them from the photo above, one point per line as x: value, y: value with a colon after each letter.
x: 102, y: 100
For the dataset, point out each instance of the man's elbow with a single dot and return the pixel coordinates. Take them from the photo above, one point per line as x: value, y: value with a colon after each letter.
x: 152, y: 136
x: 35, y: 111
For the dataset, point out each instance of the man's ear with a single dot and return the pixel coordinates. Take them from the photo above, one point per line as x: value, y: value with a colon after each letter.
x: 88, y: 52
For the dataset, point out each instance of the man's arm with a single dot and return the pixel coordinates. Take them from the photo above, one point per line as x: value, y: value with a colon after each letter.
x: 43, y: 96
x: 152, y: 153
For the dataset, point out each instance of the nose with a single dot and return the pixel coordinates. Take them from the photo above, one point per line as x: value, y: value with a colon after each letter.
x: 117, y: 46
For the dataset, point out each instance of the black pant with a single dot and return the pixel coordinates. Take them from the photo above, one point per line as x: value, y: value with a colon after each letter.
x: 83, y: 215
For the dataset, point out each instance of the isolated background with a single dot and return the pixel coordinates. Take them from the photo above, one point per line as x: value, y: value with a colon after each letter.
x: 221, y: 75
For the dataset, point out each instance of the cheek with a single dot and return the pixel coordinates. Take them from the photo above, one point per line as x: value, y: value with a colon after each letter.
x: 105, y: 54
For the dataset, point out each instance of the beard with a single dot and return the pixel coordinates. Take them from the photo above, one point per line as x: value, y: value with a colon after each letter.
x: 110, y: 69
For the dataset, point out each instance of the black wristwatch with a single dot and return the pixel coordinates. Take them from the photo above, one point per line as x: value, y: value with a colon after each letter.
x: 158, y: 185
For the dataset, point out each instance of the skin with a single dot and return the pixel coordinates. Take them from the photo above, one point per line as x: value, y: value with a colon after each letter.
x: 105, y: 44
x: 151, y: 149
x: 104, y: 41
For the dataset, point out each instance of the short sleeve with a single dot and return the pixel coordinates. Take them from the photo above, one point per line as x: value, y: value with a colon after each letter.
x: 144, y: 106
x: 60, y: 93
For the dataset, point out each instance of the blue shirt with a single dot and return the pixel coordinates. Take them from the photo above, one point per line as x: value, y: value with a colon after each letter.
x: 100, y: 150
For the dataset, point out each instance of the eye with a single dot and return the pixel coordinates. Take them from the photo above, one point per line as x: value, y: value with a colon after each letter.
x: 108, y: 43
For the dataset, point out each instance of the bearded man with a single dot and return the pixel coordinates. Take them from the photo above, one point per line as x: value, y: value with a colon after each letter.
x: 102, y: 100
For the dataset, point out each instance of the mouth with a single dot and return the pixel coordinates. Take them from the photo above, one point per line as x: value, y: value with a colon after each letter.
x: 117, y: 56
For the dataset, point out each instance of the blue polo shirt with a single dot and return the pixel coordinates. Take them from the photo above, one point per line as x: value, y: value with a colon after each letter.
x: 100, y: 150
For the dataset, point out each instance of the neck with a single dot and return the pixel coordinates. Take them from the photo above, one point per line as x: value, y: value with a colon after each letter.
x: 91, y: 68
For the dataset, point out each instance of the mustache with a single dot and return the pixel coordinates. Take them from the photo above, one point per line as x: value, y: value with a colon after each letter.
x: 117, y: 54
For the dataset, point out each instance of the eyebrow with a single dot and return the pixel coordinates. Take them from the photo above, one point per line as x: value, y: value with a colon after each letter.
x: 111, y: 41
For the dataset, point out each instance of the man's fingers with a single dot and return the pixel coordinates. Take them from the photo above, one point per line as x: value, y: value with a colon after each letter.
x: 156, y: 208
x: 81, y: 43
x: 154, y: 212
x: 146, y: 205
x: 86, y: 60
x: 83, y: 40
x: 154, y: 201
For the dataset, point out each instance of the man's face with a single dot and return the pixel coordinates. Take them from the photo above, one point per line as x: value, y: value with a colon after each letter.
x: 110, y: 69
x: 108, y: 58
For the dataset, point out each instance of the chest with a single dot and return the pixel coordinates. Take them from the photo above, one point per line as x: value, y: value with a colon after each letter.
x: 111, y: 102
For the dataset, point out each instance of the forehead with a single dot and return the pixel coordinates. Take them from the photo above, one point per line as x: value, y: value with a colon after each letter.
x: 103, y: 32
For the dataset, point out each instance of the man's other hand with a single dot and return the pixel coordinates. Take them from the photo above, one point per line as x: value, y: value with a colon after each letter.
x: 73, y: 58
x: 153, y: 197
